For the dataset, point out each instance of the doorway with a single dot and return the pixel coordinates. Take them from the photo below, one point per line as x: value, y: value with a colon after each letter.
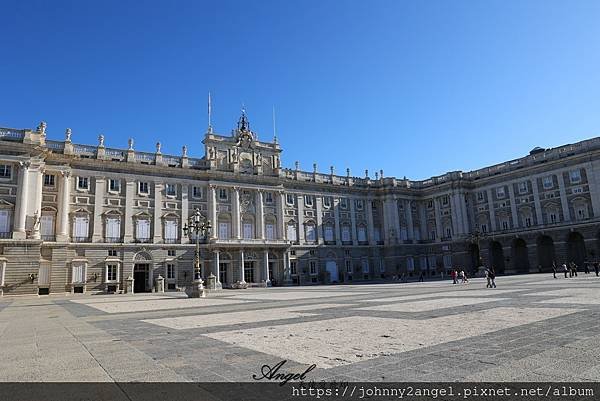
x: 332, y: 269
x: 249, y: 272
x: 223, y: 267
x: 141, y: 274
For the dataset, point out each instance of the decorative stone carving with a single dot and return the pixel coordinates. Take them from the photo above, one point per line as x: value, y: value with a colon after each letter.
x: 68, y: 135
x: 184, y: 151
x: 130, y: 143
x: 158, y: 147
x: 41, y: 129
x: 100, y: 141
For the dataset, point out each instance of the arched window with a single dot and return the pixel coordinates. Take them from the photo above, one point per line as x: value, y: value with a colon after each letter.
x: 346, y: 236
x: 328, y: 232
x: 291, y: 231
x: 310, y: 231
x: 362, y: 233
x: 112, y: 227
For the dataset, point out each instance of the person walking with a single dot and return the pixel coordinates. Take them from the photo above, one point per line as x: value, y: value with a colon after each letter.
x: 487, y: 278
x: 464, y: 277
x: 586, y: 267
x: 453, y: 275
x: 565, y: 270
x: 554, y: 269
x: 596, y: 268
x: 493, y: 277
x: 575, y: 269
x: 421, y: 278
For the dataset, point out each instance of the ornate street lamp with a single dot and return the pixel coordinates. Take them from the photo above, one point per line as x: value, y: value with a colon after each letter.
x: 200, y: 226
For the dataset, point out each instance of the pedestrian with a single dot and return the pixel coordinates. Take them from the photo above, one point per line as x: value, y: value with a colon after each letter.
x: 493, y: 277
x: 571, y: 269
x: 575, y: 269
x: 421, y: 278
x: 464, y: 277
x: 586, y: 266
x: 564, y: 265
x: 554, y: 269
x: 596, y: 268
x: 453, y: 275
x: 487, y: 278
x: 539, y: 268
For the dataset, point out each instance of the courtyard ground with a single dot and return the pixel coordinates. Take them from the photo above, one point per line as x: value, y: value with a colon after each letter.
x: 530, y: 328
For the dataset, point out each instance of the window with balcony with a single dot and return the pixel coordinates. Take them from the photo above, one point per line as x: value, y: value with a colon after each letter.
x: 142, y: 230
x: 5, y: 171
x: 4, y: 223
x: 548, y: 182
x: 328, y: 233
x: 311, y: 233
x: 575, y: 176
x: 270, y: 231
x: 83, y: 183
x: 523, y: 187
x: 224, y: 230
x: 346, y: 236
x: 171, y: 231
x: 291, y: 232
x: 143, y: 188
x: 114, y: 185
x: 49, y: 180
x: 170, y: 189
x: 312, y: 267
x: 81, y: 229
x: 47, y: 227
x: 113, y: 229
x: 362, y: 234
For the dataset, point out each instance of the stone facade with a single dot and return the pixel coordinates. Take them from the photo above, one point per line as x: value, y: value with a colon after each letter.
x: 81, y: 218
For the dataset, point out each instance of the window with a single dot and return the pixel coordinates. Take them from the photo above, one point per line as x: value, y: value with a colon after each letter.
x: 313, y: 268
x: 311, y: 233
x: 447, y: 259
x: 142, y: 229
x: 224, y: 230
x: 112, y: 253
x: 448, y: 232
x: 328, y: 233
x: 5, y: 171
x: 223, y: 194
x: 445, y: 200
x: 362, y: 234
x: 291, y: 232
x: 47, y: 227
x: 581, y: 213
x: 170, y: 271
x: 410, y: 264
x: 197, y: 192
x: 575, y: 176
x: 523, y: 187
x: 359, y: 204
x: 171, y: 189
x: 268, y: 197
x: 82, y: 183
x: 484, y: 228
x: 4, y: 221
x: 432, y: 235
x: 143, y: 188
x: 480, y: 196
x: 548, y: 182
x: 112, y: 271
x: 78, y: 273
x: 49, y: 180
x: 171, y: 229
x: 114, y: 185
x: 248, y: 230
x: 270, y: 231
x: 327, y: 202
x: 527, y: 221
x: 553, y: 217
x: 289, y: 199
x: 430, y: 204
x: 500, y: 192
x: 504, y: 225
x: 348, y: 267
x: 577, y: 190
x: 346, y: 234
x: 113, y: 228
x: 80, y: 228
x: 344, y: 203
x: 381, y: 266
x: 308, y: 200
x: 376, y: 235
x: 171, y: 252
x: 365, y: 265
x: 293, y: 267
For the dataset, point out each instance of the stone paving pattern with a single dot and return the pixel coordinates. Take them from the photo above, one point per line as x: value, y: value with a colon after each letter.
x: 531, y: 328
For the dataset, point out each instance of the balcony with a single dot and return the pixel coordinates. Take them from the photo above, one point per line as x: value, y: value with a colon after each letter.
x: 172, y: 241
x: 81, y: 239
x: 143, y: 240
x: 6, y: 235
x: 113, y: 239
x: 49, y: 238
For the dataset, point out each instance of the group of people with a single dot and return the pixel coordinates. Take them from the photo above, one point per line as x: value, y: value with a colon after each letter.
x: 458, y: 275
x: 571, y: 269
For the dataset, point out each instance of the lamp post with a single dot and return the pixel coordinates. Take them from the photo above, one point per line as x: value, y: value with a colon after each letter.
x: 199, y: 225
x: 474, y: 238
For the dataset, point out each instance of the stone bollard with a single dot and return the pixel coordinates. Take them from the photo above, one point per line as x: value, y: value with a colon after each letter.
x: 211, y: 282
x: 129, y: 285
x: 160, y: 284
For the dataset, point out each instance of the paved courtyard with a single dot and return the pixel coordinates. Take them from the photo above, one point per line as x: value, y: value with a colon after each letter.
x: 531, y: 328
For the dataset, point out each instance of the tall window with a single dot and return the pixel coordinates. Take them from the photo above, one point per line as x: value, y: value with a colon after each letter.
x: 308, y: 200
x: 142, y: 229
x: 362, y: 234
x: 143, y: 188
x: 328, y: 233
x: 527, y: 221
x: 311, y: 233
x: 346, y: 237
x: 223, y: 230
x: 293, y: 267
x: 171, y: 189
x: 291, y: 232
x: 268, y: 197
x: 365, y: 266
x: 327, y: 201
x: 248, y: 230
x: 113, y: 228
x: 114, y: 185
x: 49, y: 180
x: 504, y: 224
x: 548, y: 182
x: 553, y: 217
x: 170, y: 271
x: 270, y: 231
x: 359, y: 204
x: 348, y: 266
x: 47, y: 227
x: 80, y: 228
x: 5, y: 171
x: 447, y: 261
x: 78, y: 273
x: 171, y: 230
x: 289, y: 199
x: 575, y: 176
x: 4, y: 221
x: 222, y: 193
x: 410, y: 264
x: 112, y: 272
x: 83, y: 183
x: 197, y: 192
x: 500, y: 192
x: 313, y: 267
x: 343, y: 203
x: 523, y: 187
x: 479, y: 196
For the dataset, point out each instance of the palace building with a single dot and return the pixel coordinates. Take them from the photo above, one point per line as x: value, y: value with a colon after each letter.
x: 87, y: 218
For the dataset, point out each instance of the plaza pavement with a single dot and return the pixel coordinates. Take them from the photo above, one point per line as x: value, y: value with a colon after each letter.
x: 531, y: 328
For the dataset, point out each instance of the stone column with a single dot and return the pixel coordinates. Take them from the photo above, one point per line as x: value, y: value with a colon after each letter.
x: 300, y: 201
x: 185, y: 211
x: 370, y: 227
x: 536, y: 202
x: 422, y: 220
x: 281, y: 234
x: 217, y: 267
x: 513, y: 206
x: 354, y: 237
x: 37, y: 206
x: 212, y: 210
x: 242, y: 272
x: 319, y: 210
x: 260, y: 217
x: 465, y: 213
x: 236, y: 221
x: 266, y: 262
x: 410, y: 231
x: 287, y: 270
x: 128, y: 221
x: 438, y: 220
x: 491, y: 210
x: 338, y: 233
x: 22, y: 198
x: 99, y: 189
x: 563, y: 197
x: 64, y: 201
x: 593, y: 176
x: 157, y: 223
x: 396, y: 218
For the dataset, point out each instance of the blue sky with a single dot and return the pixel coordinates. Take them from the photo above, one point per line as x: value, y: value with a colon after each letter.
x: 415, y: 88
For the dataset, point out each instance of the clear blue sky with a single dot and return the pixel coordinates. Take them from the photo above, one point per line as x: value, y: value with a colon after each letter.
x: 416, y: 88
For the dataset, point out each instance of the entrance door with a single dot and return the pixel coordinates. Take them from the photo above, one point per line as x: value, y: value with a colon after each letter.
x: 140, y: 277
x: 249, y: 272
x: 223, y: 272
x: 331, y: 267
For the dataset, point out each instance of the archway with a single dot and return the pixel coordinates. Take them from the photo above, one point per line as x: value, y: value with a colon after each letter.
x: 520, y: 256
x: 331, y: 267
x: 474, y: 256
x: 576, y: 248
x: 545, y: 252
x: 497, y: 257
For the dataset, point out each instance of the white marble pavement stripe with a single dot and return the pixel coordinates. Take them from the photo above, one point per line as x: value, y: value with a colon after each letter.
x: 464, y: 293
x: 429, y: 305
x: 162, y: 304
x: 342, y: 341
x: 293, y: 295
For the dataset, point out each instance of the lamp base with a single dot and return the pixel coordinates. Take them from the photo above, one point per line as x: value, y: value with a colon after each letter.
x: 196, y: 289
